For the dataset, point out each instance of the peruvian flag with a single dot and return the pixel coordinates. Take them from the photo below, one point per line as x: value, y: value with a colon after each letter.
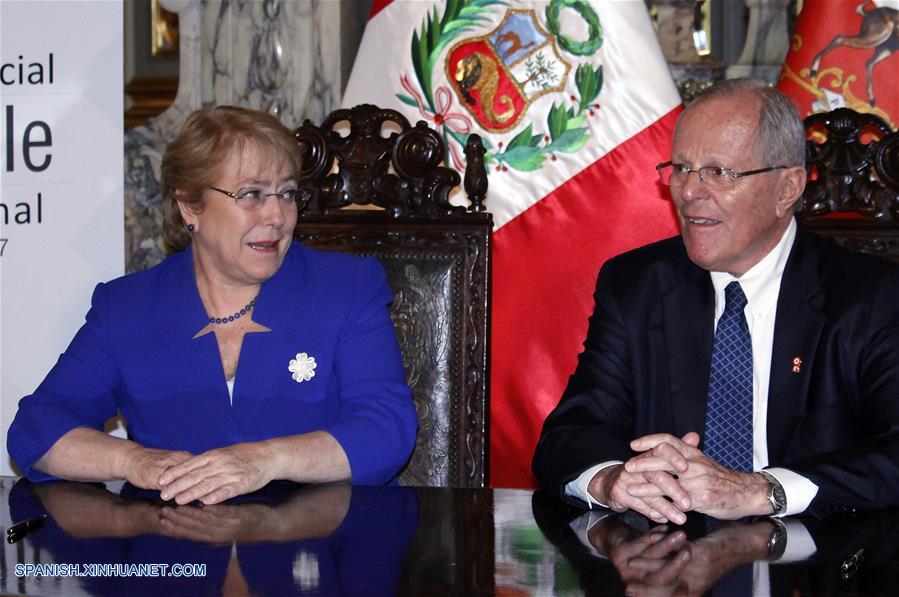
x: 576, y: 106
x: 842, y: 57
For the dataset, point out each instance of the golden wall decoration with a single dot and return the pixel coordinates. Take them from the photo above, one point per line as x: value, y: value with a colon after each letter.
x: 164, y: 31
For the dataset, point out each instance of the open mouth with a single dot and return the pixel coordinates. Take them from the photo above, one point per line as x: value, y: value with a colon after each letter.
x: 702, y: 221
x: 264, y: 246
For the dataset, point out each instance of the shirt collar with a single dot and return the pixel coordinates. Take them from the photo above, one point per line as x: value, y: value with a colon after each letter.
x: 761, y: 283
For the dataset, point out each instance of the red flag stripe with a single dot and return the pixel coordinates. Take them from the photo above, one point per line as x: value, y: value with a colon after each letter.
x: 545, y: 266
x: 377, y: 7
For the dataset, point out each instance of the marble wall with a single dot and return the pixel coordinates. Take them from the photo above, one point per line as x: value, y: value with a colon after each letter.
x: 281, y: 56
x: 748, y: 38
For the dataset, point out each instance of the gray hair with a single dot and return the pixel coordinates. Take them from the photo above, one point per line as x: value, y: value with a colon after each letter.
x: 780, y: 137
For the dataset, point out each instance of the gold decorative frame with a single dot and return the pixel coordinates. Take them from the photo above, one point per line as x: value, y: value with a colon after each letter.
x: 163, y: 31
x: 703, y: 45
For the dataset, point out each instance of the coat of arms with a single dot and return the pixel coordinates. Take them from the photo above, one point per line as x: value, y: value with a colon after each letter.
x: 496, y: 75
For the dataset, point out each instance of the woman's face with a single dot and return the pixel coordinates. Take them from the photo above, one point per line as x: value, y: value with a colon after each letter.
x: 238, y: 246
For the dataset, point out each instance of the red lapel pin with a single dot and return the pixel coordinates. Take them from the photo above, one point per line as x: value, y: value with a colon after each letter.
x: 797, y: 364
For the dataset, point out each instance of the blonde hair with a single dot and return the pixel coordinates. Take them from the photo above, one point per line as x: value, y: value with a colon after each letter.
x: 193, y: 161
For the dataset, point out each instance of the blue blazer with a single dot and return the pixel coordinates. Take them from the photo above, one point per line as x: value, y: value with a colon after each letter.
x: 647, y: 356
x: 136, y: 354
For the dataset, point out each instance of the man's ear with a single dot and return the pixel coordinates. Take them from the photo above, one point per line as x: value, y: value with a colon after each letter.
x: 792, y: 183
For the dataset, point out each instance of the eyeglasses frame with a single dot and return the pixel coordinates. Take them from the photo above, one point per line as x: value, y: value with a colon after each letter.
x: 735, y: 175
x: 265, y: 196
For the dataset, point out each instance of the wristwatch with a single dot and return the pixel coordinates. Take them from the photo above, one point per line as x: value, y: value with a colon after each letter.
x: 777, y: 540
x: 776, y: 494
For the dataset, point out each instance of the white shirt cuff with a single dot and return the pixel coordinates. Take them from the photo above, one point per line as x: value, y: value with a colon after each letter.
x: 799, y: 491
x: 581, y: 527
x: 800, y: 544
x: 578, y: 487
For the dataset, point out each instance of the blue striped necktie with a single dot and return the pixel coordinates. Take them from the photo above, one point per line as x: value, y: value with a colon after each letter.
x: 728, y: 423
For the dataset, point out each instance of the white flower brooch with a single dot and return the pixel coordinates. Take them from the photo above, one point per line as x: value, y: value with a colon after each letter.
x: 302, y: 367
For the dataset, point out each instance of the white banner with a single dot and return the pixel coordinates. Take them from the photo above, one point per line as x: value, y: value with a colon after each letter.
x: 61, y: 207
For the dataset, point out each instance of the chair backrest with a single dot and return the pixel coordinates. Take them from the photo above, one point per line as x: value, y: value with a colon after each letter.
x: 437, y: 259
x: 853, y: 190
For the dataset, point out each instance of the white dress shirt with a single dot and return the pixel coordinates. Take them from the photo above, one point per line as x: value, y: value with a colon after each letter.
x: 761, y: 285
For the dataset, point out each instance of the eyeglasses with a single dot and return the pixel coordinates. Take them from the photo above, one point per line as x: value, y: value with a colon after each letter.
x: 714, y: 177
x: 253, y: 199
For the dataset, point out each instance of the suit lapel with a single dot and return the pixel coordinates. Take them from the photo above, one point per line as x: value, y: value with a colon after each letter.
x: 797, y: 329
x: 204, y: 349
x: 688, y: 312
x: 262, y: 353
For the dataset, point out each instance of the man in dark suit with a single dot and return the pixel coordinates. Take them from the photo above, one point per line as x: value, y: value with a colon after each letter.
x: 745, y: 367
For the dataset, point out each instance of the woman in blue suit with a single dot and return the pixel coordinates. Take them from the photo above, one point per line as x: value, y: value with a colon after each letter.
x: 242, y: 358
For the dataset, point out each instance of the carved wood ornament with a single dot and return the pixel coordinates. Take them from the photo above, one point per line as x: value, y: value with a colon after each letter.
x: 853, y: 191
x: 399, y: 172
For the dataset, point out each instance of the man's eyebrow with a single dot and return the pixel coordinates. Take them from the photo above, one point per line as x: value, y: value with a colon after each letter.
x: 713, y: 162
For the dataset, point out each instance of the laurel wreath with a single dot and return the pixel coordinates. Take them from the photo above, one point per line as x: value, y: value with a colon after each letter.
x: 528, y: 150
x: 587, y: 47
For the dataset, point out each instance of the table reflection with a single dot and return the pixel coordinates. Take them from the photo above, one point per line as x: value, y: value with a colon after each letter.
x: 626, y: 554
x: 663, y: 561
x: 340, y: 540
x: 329, y: 539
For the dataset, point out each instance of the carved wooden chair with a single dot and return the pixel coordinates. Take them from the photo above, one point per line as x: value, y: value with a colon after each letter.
x: 853, y: 190
x: 373, y: 185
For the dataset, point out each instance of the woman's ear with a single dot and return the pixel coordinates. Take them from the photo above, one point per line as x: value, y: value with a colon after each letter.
x: 188, y: 211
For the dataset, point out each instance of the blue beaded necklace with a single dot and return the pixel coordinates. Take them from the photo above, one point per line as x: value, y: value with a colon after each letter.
x: 247, y: 308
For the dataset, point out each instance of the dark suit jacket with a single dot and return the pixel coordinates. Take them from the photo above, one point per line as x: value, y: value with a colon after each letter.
x: 646, y: 360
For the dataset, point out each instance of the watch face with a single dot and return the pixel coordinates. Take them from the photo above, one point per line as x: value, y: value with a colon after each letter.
x: 777, y: 543
x: 776, y: 494
x: 780, y: 498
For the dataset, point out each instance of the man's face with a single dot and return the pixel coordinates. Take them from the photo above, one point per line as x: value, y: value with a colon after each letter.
x: 730, y: 230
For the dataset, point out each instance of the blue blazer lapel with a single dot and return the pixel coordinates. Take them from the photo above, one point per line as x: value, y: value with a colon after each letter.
x: 183, y: 295
x: 263, y: 363
x: 797, y: 330
x: 688, y: 312
x: 208, y: 376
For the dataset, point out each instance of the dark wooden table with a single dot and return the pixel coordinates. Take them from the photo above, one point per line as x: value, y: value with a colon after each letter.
x: 341, y: 540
